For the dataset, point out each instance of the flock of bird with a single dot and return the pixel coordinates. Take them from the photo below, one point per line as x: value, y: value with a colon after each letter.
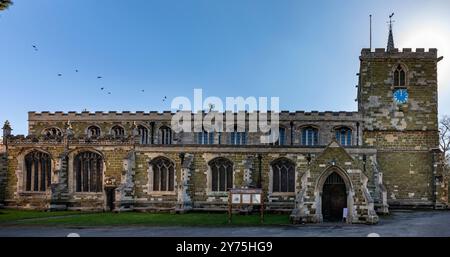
x: 98, y: 77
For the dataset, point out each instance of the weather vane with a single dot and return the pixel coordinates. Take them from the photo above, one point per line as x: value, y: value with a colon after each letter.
x: 390, y: 19
x: 390, y: 45
x: 211, y: 107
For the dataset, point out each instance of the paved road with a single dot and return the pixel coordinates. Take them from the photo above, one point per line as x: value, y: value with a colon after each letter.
x: 399, y: 223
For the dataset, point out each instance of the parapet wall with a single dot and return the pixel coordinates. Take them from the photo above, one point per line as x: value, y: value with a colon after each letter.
x: 167, y: 115
x: 395, y: 53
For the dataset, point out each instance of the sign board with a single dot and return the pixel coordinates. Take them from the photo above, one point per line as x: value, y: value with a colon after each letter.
x: 239, y: 197
x: 344, y: 213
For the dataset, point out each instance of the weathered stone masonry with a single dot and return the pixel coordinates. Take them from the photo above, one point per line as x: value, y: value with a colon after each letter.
x: 389, y: 156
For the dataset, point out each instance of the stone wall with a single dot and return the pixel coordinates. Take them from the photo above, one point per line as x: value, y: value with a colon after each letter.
x: 376, y: 86
x: 293, y: 122
x: 355, y: 171
x: 393, y: 157
x: 405, y: 135
x: 129, y: 166
x: 3, y: 172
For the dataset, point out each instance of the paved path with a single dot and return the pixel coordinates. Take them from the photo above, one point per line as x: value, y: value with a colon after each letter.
x: 399, y: 223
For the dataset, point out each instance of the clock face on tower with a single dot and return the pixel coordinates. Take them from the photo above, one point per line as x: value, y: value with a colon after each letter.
x: 401, y: 96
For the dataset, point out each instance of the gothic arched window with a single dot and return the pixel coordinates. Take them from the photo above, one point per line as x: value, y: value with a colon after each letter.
x: 282, y: 136
x: 38, y: 171
x: 281, y: 140
x: 165, y: 134
x: 205, y: 138
x: 221, y: 174
x: 88, y: 169
x: 344, y: 136
x: 53, y: 132
x: 283, y: 177
x: 163, y: 174
x: 143, y: 135
x: 399, y: 77
x: 238, y: 138
x: 309, y: 136
x: 117, y: 131
x: 219, y: 138
x: 93, y: 132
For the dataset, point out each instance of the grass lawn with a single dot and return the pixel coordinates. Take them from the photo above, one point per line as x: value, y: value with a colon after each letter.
x: 10, y: 215
x: 72, y: 218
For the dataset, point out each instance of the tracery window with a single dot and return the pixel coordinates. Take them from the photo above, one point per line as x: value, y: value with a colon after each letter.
x: 163, y: 174
x: 93, y: 132
x: 399, y: 77
x: 143, y: 135
x: 88, y: 169
x: 281, y: 140
x: 221, y: 174
x: 238, y: 138
x: 117, y: 131
x: 344, y: 136
x: 205, y: 138
x: 309, y: 136
x: 283, y: 177
x: 165, y: 134
x: 37, y: 171
x: 53, y: 132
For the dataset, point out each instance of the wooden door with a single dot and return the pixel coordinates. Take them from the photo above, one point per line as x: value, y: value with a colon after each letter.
x: 334, y: 198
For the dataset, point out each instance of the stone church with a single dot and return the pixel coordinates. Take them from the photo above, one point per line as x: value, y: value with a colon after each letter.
x: 384, y: 155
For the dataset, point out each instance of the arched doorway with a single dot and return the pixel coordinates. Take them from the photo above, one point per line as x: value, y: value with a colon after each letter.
x: 334, y: 198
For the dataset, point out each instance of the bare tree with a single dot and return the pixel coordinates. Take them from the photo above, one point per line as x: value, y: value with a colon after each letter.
x: 4, y: 4
x: 444, y: 137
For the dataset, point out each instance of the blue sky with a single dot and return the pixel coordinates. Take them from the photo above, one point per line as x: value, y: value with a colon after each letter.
x: 305, y: 52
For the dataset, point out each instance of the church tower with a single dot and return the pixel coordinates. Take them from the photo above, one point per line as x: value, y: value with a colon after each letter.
x: 398, y: 99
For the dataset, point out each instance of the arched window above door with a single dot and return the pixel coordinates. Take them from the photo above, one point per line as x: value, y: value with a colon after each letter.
x: 344, y: 136
x: 309, y: 136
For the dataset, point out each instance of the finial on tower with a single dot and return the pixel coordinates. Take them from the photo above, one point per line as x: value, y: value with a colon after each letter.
x: 7, y: 125
x: 6, y: 131
x: 390, y: 44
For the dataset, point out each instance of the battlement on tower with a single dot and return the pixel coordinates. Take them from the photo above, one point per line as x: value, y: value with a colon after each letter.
x: 396, y: 53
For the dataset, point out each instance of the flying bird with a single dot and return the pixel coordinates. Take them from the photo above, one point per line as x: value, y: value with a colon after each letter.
x: 102, y: 88
x: 59, y: 74
x: 142, y: 90
x: 35, y: 48
x: 99, y: 77
x: 76, y: 70
x: 109, y: 93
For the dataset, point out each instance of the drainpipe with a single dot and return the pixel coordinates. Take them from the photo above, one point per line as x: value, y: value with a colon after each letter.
x: 292, y: 132
x: 364, y: 161
x: 259, y: 171
x: 433, y: 168
x: 152, y: 124
x: 357, y: 133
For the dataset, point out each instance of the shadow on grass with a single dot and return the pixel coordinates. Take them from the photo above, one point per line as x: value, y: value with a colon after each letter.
x: 71, y: 218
